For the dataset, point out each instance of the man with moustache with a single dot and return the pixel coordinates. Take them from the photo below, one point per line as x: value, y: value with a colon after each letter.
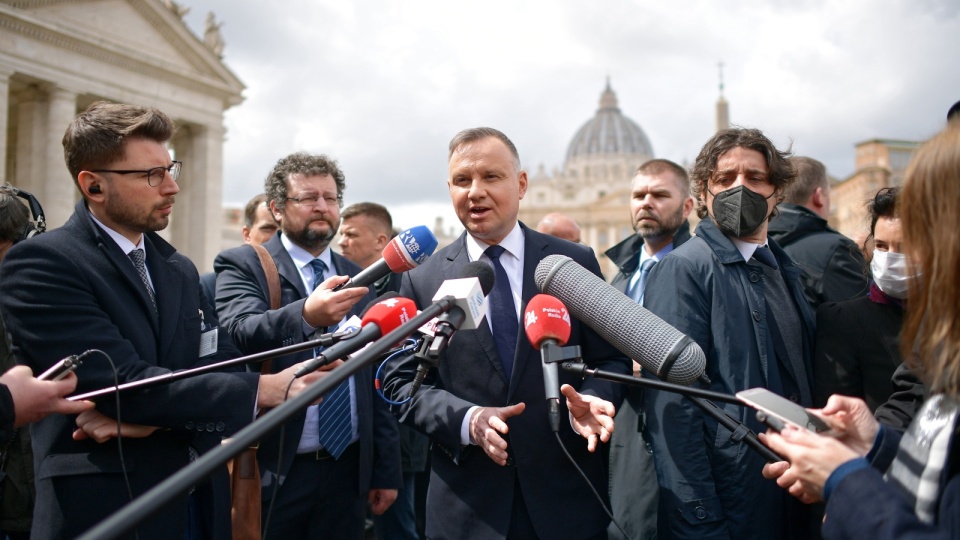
x: 497, y: 470
x: 338, y: 456
x: 105, y: 281
x: 738, y: 295
x: 659, y: 205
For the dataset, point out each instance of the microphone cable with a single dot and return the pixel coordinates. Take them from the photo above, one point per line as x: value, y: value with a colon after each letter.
x: 590, y: 484
x: 116, y: 395
x: 276, y: 484
x: 409, y: 345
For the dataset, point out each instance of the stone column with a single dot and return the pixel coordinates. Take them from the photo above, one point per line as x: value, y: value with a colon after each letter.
x: 196, y: 226
x: 4, y: 105
x: 59, y: 193
x: 28, y: 170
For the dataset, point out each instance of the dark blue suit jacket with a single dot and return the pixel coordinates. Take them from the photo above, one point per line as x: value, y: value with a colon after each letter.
x: 471, y: 496
x: 242, y: 301
x: 73, y: 289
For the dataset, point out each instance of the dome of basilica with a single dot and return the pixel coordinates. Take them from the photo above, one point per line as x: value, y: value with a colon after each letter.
x: 609, y: 132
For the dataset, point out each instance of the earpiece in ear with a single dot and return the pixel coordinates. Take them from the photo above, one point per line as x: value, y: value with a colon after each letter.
x: 95, y: 188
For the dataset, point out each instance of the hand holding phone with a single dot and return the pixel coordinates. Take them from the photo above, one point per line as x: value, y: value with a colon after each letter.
x: 778, y: 411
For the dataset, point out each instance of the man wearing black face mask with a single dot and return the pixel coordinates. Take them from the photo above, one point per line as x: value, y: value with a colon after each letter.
x: 738, y: 295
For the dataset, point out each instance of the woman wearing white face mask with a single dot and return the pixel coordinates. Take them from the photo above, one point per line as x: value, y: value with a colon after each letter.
x: 857, y: 347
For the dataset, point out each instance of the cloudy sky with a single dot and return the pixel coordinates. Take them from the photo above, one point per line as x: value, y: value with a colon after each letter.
x: 383, y: 85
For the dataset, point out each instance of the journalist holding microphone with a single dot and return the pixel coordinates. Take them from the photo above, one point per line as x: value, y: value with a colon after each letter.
x: 496, y: 464
x: 877, y: 484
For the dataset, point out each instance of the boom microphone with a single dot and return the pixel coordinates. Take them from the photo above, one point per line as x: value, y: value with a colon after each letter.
x: 547, y: 324
x: 405, y: 252
x: 633, y: 330
x: 468, y: 312
x: 380, y: 318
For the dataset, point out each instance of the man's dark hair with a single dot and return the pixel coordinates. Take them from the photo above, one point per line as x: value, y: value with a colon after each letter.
x: 471, y: 135
x: 96, y: 137
x: 811, y: 174
x: 13, y: 216
x: 375, y: 211
x: 659, y: 166
x: 250, y: 211
x: 779, y: 170
x: 883, y: 204
x: 307, y: 165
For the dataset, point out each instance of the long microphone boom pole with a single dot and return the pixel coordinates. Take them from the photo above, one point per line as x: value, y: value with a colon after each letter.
x: 324, y: 341
x: 125, y: 519
x: 701, y: 398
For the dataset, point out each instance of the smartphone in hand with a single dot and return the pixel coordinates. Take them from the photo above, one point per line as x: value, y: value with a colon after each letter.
x: 778, y: 411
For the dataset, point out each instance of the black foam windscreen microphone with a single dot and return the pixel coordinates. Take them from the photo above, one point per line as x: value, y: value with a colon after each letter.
x: 658, y: 347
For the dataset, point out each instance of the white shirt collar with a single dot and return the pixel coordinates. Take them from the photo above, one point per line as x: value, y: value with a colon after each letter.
x: 513, y: 243
x: 125, y: 244
x: 301, y: 258
x: 746, y: 249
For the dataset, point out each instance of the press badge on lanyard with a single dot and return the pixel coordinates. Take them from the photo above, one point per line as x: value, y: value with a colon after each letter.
x: 208, y: 338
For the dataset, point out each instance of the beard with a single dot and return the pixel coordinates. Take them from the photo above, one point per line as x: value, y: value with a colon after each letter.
x: 310, y: 239
x: 122, y: 213
x: 664, y: 226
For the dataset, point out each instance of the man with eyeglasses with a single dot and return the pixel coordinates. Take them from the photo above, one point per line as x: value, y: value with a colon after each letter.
x: 106, y: 282
x: 343, y: 454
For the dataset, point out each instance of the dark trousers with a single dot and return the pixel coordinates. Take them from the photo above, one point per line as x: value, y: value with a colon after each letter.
x: 319, y: 498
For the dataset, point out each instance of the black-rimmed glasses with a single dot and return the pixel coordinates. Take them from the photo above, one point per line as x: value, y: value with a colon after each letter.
x: 154, y: 176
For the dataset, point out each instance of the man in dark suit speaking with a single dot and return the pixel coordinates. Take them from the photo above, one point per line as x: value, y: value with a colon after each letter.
x: 107, y: 281
x: 497, y: 470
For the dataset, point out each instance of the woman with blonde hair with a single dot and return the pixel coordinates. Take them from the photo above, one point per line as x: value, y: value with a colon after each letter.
x: 877, y: 484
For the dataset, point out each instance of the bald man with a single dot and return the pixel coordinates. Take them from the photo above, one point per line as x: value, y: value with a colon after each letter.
x: 559, y: 225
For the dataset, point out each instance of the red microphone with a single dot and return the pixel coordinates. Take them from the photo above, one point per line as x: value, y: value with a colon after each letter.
x: 547, y: 324
x: 380, y: 319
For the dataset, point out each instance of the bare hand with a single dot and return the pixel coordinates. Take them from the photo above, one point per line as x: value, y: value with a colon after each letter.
x: 102, y: 428
x: 324, y: 307
x: 272, y: 389
x: 812, y: 457
x: 486, y: 427
x: 380, y: 500
x: 851, y: 421
x: 35, y: 399
x: 592, y: 416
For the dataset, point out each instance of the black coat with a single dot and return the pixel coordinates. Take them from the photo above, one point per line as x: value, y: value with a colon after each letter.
x: 857, y: 350
x: 73, y: 289
x: 833, y: 268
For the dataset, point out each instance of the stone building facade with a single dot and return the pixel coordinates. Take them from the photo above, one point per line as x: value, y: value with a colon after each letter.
x: 594, y: 185
x: 878, y: 163
x: 59, y: 56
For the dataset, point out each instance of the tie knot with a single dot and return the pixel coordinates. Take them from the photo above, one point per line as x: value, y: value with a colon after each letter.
x: 765, y: 256
x: 494, y: 252
x: 319, y: 269
x: 646, y: 265
x: 137, y: 257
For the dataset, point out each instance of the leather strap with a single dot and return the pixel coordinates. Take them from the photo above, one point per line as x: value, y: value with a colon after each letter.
x: 273, y: 288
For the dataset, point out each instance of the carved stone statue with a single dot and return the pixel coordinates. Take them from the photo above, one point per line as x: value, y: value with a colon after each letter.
x: 212, y: 38
x: 175, y: 8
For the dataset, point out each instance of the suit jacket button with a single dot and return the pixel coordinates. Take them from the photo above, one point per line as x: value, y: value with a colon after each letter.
x: 754, y: 277
x: 756, y: 315
x: 210, y: 427
x: 221, y: 426
x: 189, y: 424
x: 200, y: 426
x: 794, y: 398
x: 700, y: 512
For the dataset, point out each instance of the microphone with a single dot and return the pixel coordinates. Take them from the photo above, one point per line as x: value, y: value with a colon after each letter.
x: 404, y: 252
x: 547, y: 324
x: 380, y: 318
x: 470, y: 293
x: 633, y: 330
